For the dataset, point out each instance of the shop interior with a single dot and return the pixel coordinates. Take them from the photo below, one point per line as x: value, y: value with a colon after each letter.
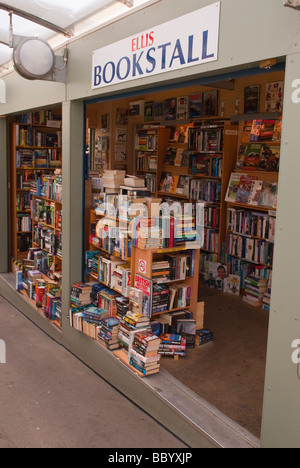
x: 228, y: 370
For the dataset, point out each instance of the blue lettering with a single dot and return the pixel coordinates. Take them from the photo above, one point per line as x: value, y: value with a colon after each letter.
x: 178, y: 50
x: 97, y: 76
x: 113, y: 72
x: 191, y: 47
x: 128, y: 68
x: 151, y: 60
x: 204, y: 50
x: 136, y: 66
x: 163, y: 57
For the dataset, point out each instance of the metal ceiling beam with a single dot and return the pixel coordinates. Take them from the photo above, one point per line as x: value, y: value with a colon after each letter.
x: 35, y: 19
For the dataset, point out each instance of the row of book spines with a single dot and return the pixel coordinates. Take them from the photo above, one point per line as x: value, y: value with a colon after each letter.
x: 37, y: 117
x: 250, y: 249
x: 242, y: 268
x: 251, y: 223
x: 32, y: 138
x: 210, y: 167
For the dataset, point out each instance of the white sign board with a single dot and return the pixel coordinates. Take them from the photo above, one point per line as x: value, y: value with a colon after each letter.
x: 187, y: 41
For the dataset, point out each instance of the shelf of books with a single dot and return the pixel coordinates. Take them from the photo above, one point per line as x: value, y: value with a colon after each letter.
x: 36, y: 192
x: 251, y: 207
x: 131, y: 307
x: 197, y: 166
x: 150, y: 149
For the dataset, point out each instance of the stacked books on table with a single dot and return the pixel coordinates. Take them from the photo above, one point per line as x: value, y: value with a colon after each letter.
x: 108, y: 333
x: 255, y: 288
x: 172, y: 345
x: 81, y: 295
x: 87, y: 319
x: 131, y: 322
x: 144, y: 353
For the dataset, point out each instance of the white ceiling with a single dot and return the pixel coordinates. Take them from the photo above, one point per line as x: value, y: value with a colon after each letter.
x: 75, y: 16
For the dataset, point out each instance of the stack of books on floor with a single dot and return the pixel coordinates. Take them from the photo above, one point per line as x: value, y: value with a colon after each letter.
x: 255, y: 288
x: 108, y: 333
x: 122, y: 306
x: 172, y: 345
x: 266, y: 302
x: 203, y: 336
x: 131, y: 322
x: 81, y: 295
x: 144, y: 353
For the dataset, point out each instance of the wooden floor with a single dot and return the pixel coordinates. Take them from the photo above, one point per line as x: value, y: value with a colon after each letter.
x: 228, y: 373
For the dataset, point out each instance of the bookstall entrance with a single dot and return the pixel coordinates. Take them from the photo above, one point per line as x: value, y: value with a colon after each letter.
x: 217, y: 146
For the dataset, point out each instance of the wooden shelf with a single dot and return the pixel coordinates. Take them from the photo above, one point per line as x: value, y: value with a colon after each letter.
x: 18, y: 172
x: 147, y: 257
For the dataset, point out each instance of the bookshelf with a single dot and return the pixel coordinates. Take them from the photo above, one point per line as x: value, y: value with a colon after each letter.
x: 36, y: 154
x: 213, y: 146
x: 143, y: 267
x: 252, y: 199
x: 151, y: 144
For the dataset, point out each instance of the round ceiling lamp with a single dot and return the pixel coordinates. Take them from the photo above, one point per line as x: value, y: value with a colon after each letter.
x: 33, y: 58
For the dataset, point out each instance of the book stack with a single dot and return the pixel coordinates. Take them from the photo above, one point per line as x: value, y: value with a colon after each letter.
x: 161, y: 270
x: 131, y: 322
x: 160, y: 298
x: 172, y: 345
x: 112, y: 180
x: 81, y: 295
x: 203, y: 336
x: 267, y: 295
x: 108, y: 333
x: 255, y: 288
x: 87, y: 319
x: 122, y: 306
x: 150, y: 238
x: 185, y: 230
x: 91, y: 320
x: 144, y: 353
x: 107, y: 301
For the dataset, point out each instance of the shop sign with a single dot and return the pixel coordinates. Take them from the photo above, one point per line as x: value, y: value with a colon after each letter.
x: 187, y: 41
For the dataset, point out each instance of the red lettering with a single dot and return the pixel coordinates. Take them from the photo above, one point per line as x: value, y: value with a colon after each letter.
x: 134, y: 44
x: 151, y: 36
x: 142, y: 42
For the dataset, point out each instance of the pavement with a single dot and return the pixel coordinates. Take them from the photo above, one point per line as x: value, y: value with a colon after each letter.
x: 50, y: 399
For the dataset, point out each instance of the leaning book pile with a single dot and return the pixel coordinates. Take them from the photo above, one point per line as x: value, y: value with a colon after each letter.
x: 131, y: 322
x: 144, y: 353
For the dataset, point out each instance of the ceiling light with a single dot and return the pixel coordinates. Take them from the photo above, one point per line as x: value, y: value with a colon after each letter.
x: 33, y: 58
